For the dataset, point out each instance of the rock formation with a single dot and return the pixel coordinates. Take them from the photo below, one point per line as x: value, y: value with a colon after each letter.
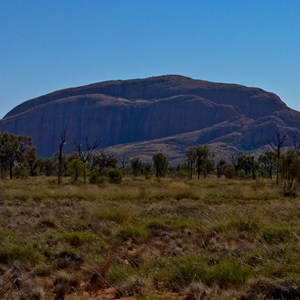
x: 171, y: 112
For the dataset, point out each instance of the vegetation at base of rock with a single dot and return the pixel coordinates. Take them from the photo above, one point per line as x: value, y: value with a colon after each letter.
x: 18, y: 157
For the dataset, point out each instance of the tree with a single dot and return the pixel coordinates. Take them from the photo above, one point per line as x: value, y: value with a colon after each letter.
x: 290, y: 172
x: 277, y: 143
x: 61, y: 144
x: 160, y: 164
x: 136, y: 166
x: 191, y: 155
x: 202, y: 156
x: 267, y: 163
x: 234, y: 158
x: 13, y: 151
x: 296, y: 145
x: 146, y: 168
x: 199, y: 157
x: 248, y: 165
x: 221, y: 167
x: 31, y: 160
x: 46, y: 166
x: 124, y: 160
x: 85, y: 153
x: 76, y: 167
x: 8, y: 152
x: 103, y: 161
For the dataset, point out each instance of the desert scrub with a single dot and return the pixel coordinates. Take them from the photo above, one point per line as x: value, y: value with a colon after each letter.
x: 24, y: 251
x: 169, y: 223
x: 114, y: 176
x: 176, y: 274
x: 186, y: 195
x: 96, y: 177
x: 230, y: 233
x: 130, y: 231
x: 276, y: 233
x: 131, y: 286
x: 158, y: 196
x: 80, y: 238
x: 143, y: 297
x: 238, y: 224
x: 113, y: 214
x: 65, y: 283
x: 156, y: 224
x: 119, y: 273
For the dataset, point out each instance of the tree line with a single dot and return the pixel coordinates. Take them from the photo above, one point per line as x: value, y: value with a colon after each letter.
x: 18, y: 158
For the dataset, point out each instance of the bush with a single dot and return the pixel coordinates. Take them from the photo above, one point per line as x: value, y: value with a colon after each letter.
x: 115, y: 176
x: 290, y: 173
x: 229, y: 171
x: 132, y: 232
x: 119, y: 273
x: 186, y: 195
x: 229, y: 273
x: 25, y: 252
x: 96, y: 177
x: 181, y: 272
x: 133, y: 285
x: 276, y: 234
x: 157, y: 225
x: 116, y: 215
x: 78, y: 238
x: 75, y: 167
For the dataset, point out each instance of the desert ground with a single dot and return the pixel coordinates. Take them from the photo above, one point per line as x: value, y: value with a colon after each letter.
x: 148, y: 238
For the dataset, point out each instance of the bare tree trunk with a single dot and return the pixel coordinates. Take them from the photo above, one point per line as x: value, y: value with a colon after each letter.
x: 60, y: 155
x: 10, y: 171
x: 84, y: 173
x: 277, y: 144
x: 85, y: 154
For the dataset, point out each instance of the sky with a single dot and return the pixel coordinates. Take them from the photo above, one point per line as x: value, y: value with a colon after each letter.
x: 47, y: 45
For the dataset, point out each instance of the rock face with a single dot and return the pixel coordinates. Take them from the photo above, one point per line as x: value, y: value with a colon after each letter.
x: 166, y: 109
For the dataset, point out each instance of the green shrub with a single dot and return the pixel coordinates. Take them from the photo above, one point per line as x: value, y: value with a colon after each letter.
x: 275, y: 234
x: 180, y: 272
x: 169, y: 223
x: 158, y: 197
x: 21, y: 173
x: 115, y: 176
x: 75, y: 168
x: 156, y: 225
x: 96, y: 177
x: 229, y: 171
x: 229, y: 272
x: 186, y: 195
x: 132, y: 232
x: 239, y: 224
x: 79, y: 238
x: 24, y: 252
x: 116, y: 215
x: 119, y: 273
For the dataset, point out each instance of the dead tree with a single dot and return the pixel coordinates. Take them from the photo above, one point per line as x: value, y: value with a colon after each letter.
x: 124, y: 160
x: 277, y: 143
x: 296, y: 145
x: 60, y: 156
x: 234, y: 159
x: 85, y: 153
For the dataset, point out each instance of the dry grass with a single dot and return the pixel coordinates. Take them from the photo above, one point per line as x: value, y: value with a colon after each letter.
x: 167, y: 235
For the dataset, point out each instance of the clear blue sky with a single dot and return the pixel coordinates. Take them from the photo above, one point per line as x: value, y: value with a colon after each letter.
x: 46, y: 45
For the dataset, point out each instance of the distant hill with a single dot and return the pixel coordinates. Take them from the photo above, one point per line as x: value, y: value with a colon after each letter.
x: 164, y: 113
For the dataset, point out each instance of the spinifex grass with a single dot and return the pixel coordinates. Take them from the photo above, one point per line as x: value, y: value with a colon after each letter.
x: 168, y: 233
